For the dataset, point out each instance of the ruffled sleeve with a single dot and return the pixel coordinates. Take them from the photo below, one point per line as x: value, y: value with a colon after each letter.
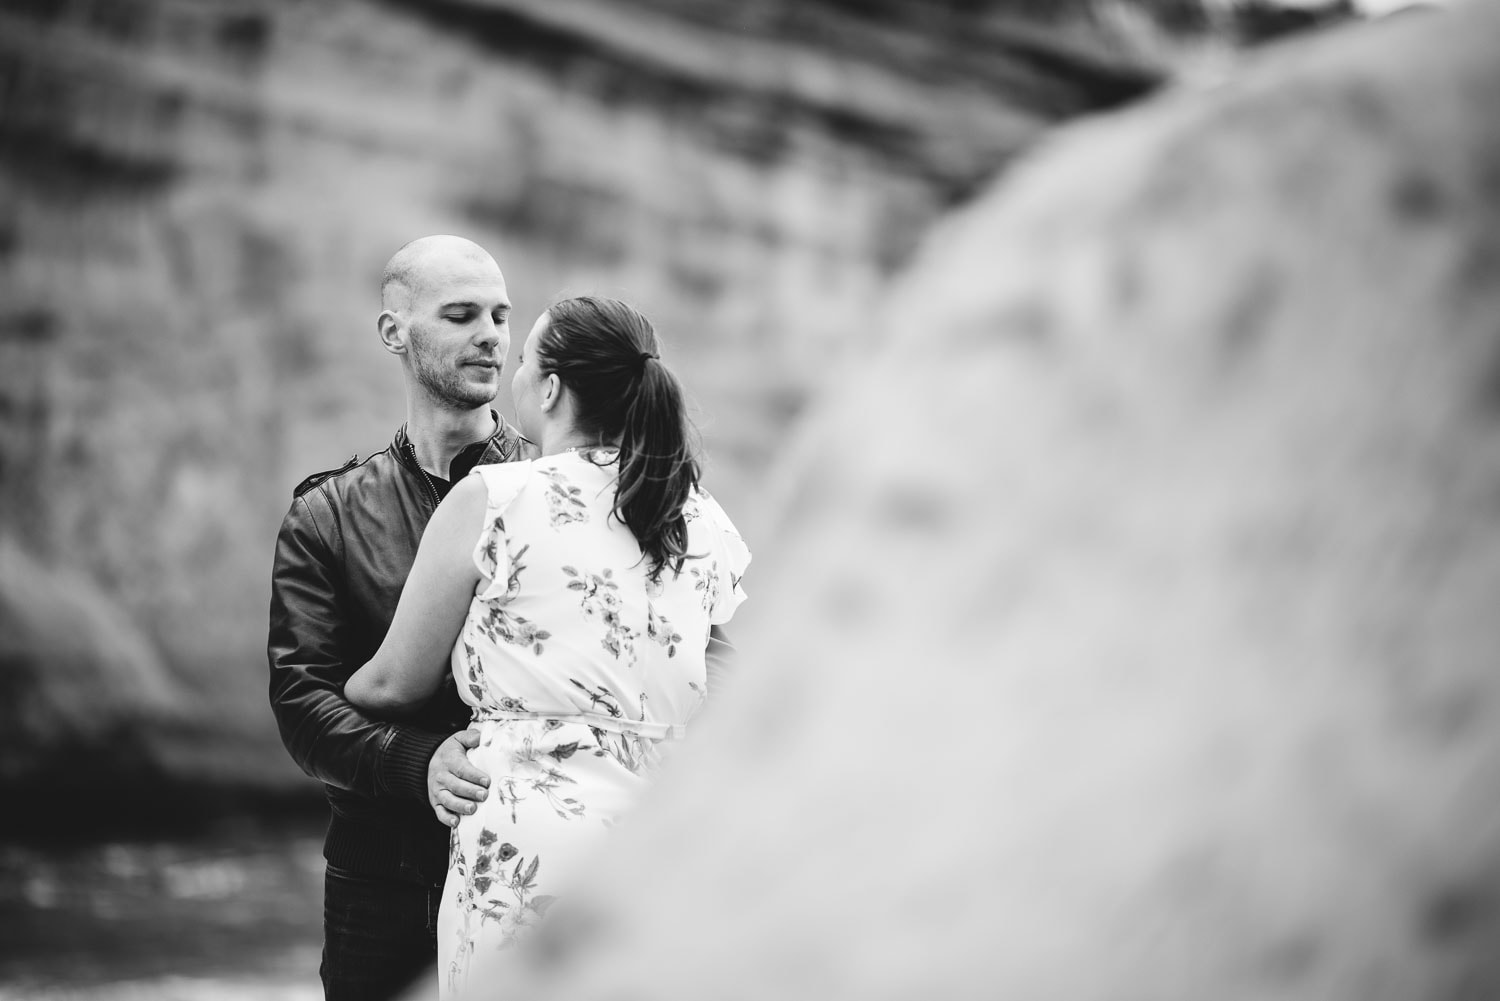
x: 502, y: 482
x: 732, y: 555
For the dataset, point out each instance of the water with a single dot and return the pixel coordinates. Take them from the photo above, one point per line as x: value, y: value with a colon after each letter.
x: 232, y: 916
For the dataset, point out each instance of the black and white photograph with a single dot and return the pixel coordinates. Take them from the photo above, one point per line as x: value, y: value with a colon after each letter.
x: 680, y: 500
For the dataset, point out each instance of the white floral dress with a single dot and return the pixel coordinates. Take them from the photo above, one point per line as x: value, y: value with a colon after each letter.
x: 579, y: 668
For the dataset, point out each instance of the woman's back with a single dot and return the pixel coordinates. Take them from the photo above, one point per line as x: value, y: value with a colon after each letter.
x: 569, y: 620
x: 581, y: 665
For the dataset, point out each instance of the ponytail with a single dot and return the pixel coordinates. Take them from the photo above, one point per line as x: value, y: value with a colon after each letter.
x: 657, y: 467
x: 607, y: 352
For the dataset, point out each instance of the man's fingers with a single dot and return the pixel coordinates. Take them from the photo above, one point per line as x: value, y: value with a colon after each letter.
x: 446, y: 800
x: 465, y: 773
x: 454, y: 786
x: 461, y: 788
x: 456, y: 762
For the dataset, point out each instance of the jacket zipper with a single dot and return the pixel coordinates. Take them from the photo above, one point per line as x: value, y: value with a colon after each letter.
x: 411, y: 450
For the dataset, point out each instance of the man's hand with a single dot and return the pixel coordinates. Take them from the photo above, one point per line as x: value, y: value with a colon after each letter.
x: 454, y: 786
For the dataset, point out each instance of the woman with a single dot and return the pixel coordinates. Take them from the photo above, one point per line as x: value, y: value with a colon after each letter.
x: 575, y: 593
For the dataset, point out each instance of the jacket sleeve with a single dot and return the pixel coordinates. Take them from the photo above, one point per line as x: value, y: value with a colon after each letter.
x: 719, y: 660
x: 329, y: 738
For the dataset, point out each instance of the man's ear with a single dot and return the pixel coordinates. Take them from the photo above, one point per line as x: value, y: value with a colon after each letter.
x: 392, y: 332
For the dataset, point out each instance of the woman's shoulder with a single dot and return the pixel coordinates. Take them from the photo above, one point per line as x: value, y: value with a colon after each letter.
x: 701, y: 505
x: 499, y: 482
x: 505, y: 481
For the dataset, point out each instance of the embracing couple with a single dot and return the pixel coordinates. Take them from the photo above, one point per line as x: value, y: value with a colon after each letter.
x: 489, y: 629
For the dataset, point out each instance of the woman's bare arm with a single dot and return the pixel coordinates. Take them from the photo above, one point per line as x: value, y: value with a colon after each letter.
x: 409, y: 666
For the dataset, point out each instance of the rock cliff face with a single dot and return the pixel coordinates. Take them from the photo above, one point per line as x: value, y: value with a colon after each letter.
x: 1152, y: 654
x: 195, y: 200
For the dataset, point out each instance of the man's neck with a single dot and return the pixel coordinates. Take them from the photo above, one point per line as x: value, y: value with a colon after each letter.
x: 437, y: 434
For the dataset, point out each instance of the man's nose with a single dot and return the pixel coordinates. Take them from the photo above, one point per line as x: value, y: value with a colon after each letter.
x: 486, y: 333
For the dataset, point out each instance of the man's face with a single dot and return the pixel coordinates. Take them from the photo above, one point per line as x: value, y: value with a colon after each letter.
x: 459, y: 323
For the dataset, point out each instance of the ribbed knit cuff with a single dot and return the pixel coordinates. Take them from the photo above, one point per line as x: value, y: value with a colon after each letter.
x: 403, y: 767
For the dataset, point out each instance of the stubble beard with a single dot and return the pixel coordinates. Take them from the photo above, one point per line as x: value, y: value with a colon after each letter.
x: 447, y: 385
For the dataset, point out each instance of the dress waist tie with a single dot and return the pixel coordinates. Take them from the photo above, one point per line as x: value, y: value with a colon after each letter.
x: 609, y: 724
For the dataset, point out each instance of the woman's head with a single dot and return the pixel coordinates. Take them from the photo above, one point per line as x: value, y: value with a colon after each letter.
x: 595, y: 348
x: 598, y: 361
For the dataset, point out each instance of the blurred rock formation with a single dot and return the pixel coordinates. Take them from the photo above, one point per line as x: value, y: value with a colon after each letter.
x: 1152, y: 653
x: 196, y: 198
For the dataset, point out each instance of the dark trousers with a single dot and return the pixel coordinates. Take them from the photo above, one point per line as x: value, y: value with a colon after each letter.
x: 379, y: 936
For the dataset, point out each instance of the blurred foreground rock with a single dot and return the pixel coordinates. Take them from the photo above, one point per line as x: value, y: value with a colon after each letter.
x: 1147, y: 649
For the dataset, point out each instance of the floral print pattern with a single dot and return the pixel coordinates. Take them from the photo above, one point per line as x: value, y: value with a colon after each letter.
x: 565, y: 503
x: 706, y: 584
x: 481, y: 893
x: 659, y: 629
x: 502, y: 625
x: 579, y: 669
x: 530, y: 774
x: 600, y: 599
x: 599, y: 698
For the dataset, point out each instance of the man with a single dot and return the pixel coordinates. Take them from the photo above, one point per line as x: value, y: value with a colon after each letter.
x: 342, y: 556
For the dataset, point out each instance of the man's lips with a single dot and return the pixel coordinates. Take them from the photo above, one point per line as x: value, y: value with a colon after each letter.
x: 482, y: 363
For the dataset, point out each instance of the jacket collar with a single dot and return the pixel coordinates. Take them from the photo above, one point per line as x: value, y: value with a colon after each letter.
x: 502, y: 446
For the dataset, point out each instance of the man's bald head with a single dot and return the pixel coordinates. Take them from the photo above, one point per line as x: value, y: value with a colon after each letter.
x: 445, y: 311
x: 426, y: 260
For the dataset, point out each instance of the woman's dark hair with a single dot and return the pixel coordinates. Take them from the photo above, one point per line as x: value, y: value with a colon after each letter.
x: 607, y: 354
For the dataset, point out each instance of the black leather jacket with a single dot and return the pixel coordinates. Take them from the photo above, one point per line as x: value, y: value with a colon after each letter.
x: 342, y: 555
